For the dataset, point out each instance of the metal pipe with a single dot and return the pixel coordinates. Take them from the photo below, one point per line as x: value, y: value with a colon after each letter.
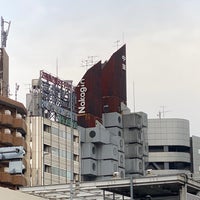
x: 131, y: 187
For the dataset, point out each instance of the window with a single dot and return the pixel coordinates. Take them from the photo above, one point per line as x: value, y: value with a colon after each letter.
x: 47, y: 128
x: 47, y: 168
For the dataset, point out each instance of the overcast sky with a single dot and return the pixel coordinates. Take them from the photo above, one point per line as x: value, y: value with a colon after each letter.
x: 162, y: 38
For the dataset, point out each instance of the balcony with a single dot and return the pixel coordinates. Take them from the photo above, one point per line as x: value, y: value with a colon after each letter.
x: 19, y: 180
x: 20, y: 124
x: 19, y: 141
x: 6, y: 138
x: 6, y: 120
x: 5, y: 178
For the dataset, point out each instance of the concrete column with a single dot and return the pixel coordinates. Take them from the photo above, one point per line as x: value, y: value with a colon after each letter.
x: 183, y: 192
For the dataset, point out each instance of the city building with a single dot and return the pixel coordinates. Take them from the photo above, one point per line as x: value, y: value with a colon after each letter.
x: 53, y: 128
x: 195, y: 157
x: 123, y: 155
x: 169, y: 146
x: 14, y: 150
x: 106, y: 123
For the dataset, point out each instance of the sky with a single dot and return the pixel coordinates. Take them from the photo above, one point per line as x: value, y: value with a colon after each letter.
x: 162, y: 40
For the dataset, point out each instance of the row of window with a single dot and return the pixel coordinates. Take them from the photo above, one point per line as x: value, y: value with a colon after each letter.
x: 58, y: 132
x: 169, y: 149
x: 57, y: 152
x: 62, y: 153
x: 57, y: 171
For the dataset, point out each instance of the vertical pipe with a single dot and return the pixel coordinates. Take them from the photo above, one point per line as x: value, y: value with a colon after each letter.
x: 131, y: 187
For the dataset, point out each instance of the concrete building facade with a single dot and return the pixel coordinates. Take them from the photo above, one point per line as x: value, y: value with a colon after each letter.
x: 195, y: 157
x: 169, y: 146
x: 53, y: 129
x: 106, y: 124
x: 51, y: 152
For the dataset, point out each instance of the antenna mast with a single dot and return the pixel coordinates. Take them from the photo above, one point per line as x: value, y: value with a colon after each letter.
x: 16, y: 90
x: 88, y: 62
x: 4, y: 33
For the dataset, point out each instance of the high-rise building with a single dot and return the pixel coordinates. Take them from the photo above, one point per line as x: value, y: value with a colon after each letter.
x: 105, y: 121
x: 53, y: 129
x: 14, y: 150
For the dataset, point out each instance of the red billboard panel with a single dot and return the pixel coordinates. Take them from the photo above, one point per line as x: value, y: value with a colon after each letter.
x: 89, y: 92
x: 102, y: 89
x: 114, y: 76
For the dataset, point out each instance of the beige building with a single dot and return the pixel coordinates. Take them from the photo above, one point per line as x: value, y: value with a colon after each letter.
x: 53, y: 128
x: 55, y: 157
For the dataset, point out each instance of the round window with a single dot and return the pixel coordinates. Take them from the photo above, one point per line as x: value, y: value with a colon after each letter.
x: 92, y: 134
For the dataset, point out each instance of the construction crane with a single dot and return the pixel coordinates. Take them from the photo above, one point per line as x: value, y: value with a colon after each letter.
x: 4, y: 33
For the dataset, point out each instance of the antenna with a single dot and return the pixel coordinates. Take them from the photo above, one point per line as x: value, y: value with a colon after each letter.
x: 16, y: 90
x: 88, y: 62
x: 163, y: 112
x: 4, y: 33
x: 117, y: 43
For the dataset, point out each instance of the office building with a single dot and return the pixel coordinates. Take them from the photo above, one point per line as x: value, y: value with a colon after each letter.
x: 53, y: 127
x: 105, y: 122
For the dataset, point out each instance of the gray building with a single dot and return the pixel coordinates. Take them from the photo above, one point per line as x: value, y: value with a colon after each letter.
x: 53, y: 128
x: 169, y: 146
x: 116, y: 148
x: 195, y: 157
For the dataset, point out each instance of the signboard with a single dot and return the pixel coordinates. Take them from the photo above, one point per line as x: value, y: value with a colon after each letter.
x: 58, y: 99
